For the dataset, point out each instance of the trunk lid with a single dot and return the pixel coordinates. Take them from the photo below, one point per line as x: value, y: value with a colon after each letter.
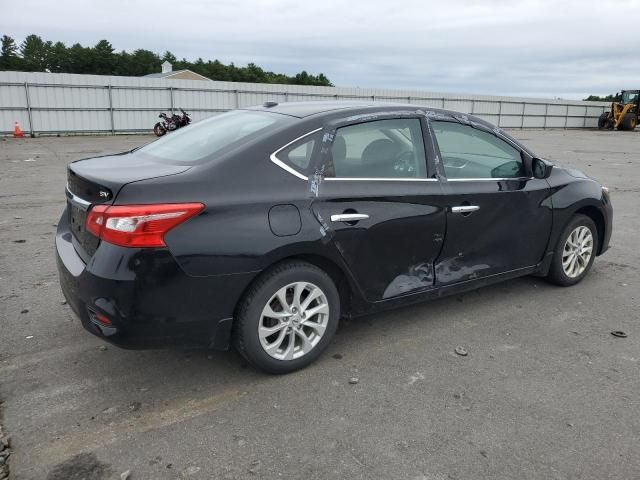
x: 98, y: 180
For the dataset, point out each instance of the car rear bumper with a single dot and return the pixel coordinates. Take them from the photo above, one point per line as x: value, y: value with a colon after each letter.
x: 148, y: 300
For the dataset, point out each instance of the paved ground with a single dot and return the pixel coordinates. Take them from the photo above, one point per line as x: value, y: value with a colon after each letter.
x: 546, y: 391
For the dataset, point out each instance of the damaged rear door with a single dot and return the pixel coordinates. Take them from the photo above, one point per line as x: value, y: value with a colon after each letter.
x: 380, y: 203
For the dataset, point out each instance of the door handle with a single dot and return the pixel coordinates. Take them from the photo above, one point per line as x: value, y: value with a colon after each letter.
x: 349, y: 217
x: 465, y: 208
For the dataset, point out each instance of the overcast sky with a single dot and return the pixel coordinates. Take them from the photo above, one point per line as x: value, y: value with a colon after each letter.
x: 565, y: 49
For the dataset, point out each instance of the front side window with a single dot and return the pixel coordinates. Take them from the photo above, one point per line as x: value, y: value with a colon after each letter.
x: 468, y: 152
x: 630, y: 97
x: 380, y: 149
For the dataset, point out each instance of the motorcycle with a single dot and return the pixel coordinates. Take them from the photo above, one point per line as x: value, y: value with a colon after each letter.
x: 184, y: 120
x: 171, y: 123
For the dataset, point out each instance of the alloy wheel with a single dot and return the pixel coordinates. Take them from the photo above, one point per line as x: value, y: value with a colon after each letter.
x: 577, y: 251
x: 293, y: 321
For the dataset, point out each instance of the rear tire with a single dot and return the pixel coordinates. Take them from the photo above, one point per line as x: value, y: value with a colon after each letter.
x: 629, y: 122
x: 575, y: 252
x: 276, y: 329
x: 602, y: 120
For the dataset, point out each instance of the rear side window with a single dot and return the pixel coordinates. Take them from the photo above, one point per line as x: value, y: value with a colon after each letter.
x: 197, y: 143
x: 380, y: 149
x: 298, y: 155
x: 468, y: 152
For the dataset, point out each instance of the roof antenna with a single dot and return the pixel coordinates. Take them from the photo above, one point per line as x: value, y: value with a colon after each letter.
x: 270, y: 104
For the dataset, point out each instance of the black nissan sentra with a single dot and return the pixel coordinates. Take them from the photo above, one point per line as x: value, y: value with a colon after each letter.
x: 262, y: 227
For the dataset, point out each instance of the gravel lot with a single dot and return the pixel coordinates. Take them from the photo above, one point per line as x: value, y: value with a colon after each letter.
x: 546, y: 391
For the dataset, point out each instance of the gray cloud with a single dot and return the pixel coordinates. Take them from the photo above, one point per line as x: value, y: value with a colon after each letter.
x: 521, y: 47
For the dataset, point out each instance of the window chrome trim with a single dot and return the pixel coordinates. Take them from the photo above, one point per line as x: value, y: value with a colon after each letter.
x: 76, y: 200
x: 274, y: 158
x: 284, y: 166
x: 487, y: 179
x: 380, y: 179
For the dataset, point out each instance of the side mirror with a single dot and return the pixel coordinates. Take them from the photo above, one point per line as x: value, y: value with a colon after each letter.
x: 541, y: 168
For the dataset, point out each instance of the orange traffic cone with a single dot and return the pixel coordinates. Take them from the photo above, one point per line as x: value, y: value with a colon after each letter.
x: 17, y: 132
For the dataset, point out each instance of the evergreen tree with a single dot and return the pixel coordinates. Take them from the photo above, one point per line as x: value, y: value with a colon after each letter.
x: 35, y: 54
x: 9, y: 59
x: 103, y: 60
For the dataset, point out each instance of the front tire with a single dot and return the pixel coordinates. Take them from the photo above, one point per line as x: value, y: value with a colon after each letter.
x: 287, y: 318
x: 575, y: 252
x: 629, y: 122
x: 159, y: 130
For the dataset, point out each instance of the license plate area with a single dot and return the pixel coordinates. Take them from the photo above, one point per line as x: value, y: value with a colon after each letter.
x: 77, y: 223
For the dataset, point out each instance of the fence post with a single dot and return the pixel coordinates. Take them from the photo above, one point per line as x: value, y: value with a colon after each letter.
x: 584, y: 120
x: 524, y: 108
x: 113, y: 128
x: 236, y: 100
x: 546, y: 112
x: 566, y: 116
x: 286, y: 96
x: 499, y: 112
x: 473, y: 106
x: 443, y: 103
x: 409, y: 99
x: 171, y: 99
x: 26, y: 93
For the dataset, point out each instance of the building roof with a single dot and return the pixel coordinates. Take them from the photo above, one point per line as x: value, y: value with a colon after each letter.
x: 172, y: 73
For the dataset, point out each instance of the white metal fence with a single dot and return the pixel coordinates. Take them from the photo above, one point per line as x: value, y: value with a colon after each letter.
x: 50, y: 103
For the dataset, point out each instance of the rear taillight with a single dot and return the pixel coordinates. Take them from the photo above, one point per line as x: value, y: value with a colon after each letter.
x: 138, y: 225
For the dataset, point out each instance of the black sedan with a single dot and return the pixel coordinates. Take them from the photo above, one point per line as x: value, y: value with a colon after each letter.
x: 262, y: 227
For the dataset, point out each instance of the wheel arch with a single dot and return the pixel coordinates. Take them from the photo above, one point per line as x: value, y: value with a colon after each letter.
x: 598, y: 218
x: 343, y: 282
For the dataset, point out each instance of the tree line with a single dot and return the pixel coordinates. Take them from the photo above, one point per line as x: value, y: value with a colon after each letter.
x: 609, y: 98
x: 37, y: 55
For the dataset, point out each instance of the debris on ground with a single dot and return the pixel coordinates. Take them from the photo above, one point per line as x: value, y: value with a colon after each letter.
x: 354, y: 380
x: 125, y: 475
x: 192, y: 470
x: 254, y: 467
x: 103, y: 348
x: 460, y: 350
x: 24, y: 310
x: 619, y: 334
x: 20, y: 240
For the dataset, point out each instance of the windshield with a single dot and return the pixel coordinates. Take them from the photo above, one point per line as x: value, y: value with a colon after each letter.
x: 630, y: 97
x: 219, y: 134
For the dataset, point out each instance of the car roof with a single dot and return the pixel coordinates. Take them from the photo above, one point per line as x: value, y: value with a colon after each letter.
x: 307, y: 109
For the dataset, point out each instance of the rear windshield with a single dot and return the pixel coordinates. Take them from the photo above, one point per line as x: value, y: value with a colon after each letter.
x: 196, y: 143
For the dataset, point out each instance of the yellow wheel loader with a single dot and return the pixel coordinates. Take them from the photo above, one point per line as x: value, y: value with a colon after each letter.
x: 624, y: 115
